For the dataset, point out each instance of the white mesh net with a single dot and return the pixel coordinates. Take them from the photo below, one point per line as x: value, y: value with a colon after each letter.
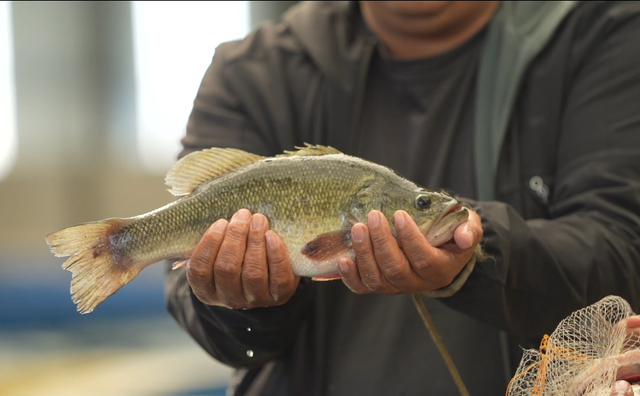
x: 585, y: 355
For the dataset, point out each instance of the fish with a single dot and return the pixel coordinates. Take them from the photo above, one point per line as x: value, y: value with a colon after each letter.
x: 312, y: 196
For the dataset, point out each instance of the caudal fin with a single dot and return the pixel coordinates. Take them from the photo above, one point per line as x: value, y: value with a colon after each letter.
x: 99, y: 267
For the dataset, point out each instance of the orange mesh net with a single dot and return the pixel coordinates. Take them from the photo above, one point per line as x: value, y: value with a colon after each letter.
x: 585, y: 355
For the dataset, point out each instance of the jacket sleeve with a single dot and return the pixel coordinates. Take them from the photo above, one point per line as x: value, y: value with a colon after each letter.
x: 540, y: 270
x: 219, y: 118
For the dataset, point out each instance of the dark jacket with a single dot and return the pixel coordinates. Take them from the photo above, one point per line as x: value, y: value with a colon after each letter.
x: 562, y: 232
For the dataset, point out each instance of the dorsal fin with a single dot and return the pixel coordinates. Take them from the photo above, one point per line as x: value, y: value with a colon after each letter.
x: 198, y: 167
x: 310, y: 150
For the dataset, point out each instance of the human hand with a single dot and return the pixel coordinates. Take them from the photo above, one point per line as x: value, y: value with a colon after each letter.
x: 410, y: 264
x: 633, y: 332
x: 241, y: 264
x: 630, y: 360
x: 622, y: 388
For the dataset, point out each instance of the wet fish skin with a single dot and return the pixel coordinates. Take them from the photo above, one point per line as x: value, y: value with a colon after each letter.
x: 311, y: 198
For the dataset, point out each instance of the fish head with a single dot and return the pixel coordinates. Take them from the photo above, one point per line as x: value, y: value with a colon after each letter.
x: 436, y: 213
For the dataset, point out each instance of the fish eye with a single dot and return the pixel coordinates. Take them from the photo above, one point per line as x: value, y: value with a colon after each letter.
x: 422, y: 202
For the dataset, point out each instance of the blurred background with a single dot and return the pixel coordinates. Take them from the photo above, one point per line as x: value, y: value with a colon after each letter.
x: 94, y: 98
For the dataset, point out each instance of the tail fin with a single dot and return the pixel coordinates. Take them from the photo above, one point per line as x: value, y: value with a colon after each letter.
x: 98, y: 265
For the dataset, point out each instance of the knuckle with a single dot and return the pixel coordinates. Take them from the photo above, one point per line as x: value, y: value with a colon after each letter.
x: 199, y: 272
x: 424, y: 266
x: 280, y: 290
x: 409, y: 239
x: 378, y: 238
x: 255, y: 241
x: 200, y: 261
x: 225, y: 269
x: 374, y: 283
x: 252, y: 277
x: 237, y: 232
x: 278, y: 256
x: 280, y: 284
x: 364, y: 255
x: 251, y: 299
x: 229, y: 257
x: 228, y: 300
x: 394, y: 273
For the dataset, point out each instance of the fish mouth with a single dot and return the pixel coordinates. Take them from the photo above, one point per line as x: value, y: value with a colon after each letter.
x: 444, y: 227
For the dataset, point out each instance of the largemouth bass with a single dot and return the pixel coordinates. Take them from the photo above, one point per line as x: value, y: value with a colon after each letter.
x: 311, y: 197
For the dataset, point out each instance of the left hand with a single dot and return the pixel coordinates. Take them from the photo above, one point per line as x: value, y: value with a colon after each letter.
x: 384, y: 267
x: 628, y: 363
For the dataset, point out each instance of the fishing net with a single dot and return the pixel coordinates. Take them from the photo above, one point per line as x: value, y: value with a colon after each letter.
x: 585, y: 355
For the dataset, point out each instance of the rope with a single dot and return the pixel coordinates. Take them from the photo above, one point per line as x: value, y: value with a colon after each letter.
x: 428, y: 322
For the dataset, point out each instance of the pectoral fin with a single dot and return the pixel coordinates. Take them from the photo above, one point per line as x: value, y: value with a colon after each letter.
x: 328, y: 245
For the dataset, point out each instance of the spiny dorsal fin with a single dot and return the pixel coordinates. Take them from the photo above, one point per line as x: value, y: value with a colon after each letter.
x: 310, y: 150
x: 200, y: 166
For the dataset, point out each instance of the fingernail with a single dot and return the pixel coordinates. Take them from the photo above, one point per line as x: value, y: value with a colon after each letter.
x: 257, y: 222
x: 398, y: 219
x: 344, y: 266
x: 242, y: 216
x: 272, y: 241
x: 357, y: 234
x: 373, y: 219
x: 621, y: 387
x: 220, y: 226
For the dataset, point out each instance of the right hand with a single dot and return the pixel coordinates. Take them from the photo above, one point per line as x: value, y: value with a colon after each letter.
x: 241, y: 264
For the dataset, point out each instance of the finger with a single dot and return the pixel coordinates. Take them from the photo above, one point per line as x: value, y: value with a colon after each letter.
x: 372, y: 245
x: 351, y: 277
x: 282, y: 281
x: 255, y: 273
x: 622, y: 388
x: 633, y: 322
x: 433, y: 266
x: 228, y: 264
x: 200, y: 265
x: 469, y: 233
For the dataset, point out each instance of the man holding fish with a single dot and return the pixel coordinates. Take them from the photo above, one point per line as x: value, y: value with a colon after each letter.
x: 528, y: 112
